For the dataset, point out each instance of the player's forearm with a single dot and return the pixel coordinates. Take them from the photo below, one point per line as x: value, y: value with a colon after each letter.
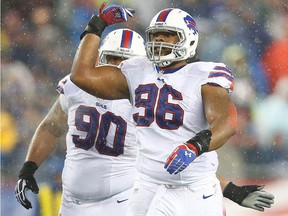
x: 221, y: 134
x: 42, y: 144
x: 220, y: 113
x: 223, y: 127
x: 85, y: 59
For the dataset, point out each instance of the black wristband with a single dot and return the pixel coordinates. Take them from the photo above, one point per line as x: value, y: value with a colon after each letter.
x: 29, y: 168
x: 96, y: 26
x: 234, y: 193
x: 237, y: 193
x: 201, y: 141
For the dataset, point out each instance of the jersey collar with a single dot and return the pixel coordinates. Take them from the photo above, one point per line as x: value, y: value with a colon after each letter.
x: 169, y: 70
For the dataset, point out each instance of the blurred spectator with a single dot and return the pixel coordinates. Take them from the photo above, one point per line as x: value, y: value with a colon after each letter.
x: 197, y: 8
x: 54, y: 61
x: 21, y: 39
x: 17, y: 92
x: 219, y: 32
x: 9, y: 133
x: 262, y: 137
x: 244, y: 91
x: 275, y: 57
x: 275, y: 61
x: 271, y: 116
x: 274, y: 14
x: 74, y: 17
x: 18, y: 84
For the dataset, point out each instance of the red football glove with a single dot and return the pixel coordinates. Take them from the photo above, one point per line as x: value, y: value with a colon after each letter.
x: 115, y: 14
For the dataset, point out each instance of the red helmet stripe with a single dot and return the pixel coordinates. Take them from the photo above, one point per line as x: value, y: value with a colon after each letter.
x: 126, y: 40
x: 163, y: 15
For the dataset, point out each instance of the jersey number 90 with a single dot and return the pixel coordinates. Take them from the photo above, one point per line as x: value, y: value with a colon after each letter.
x: 89, y: 120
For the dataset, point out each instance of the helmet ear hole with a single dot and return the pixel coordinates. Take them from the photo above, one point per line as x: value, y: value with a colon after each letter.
x: 191, y: 43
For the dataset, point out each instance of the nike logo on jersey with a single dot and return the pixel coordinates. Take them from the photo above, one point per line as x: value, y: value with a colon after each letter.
x: 120, y: 201
x: 205, y: 197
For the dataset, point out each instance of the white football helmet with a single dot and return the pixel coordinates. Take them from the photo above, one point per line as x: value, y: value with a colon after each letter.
x: 177, y: 21
x: 124, y: 43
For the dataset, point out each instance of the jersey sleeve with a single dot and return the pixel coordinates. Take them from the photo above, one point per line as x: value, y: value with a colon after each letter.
x: 61, y: 85
x: 220, y: 75
x: 66, y: 88
x: 62, y: 98
x: 64, y: 103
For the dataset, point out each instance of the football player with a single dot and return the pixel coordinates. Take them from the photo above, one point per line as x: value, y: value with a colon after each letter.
x: 99, y: 169
x: 172, y: 100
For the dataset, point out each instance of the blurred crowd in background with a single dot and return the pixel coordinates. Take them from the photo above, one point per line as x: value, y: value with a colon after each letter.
x: 39, y: 39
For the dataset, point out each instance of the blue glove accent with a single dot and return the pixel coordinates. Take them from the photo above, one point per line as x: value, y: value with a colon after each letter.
x: 180, y: 158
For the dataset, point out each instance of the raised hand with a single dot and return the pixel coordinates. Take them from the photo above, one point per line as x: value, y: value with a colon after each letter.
x: 109, y: 16
x: 115, y: 14
x: 26, y: 182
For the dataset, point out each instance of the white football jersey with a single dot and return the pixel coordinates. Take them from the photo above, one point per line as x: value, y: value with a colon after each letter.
x: 168, y: 110
x: 101, y: 144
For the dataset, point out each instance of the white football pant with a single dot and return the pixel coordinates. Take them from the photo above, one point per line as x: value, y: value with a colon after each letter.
x: 113, y: 206
x: 151, y: 199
